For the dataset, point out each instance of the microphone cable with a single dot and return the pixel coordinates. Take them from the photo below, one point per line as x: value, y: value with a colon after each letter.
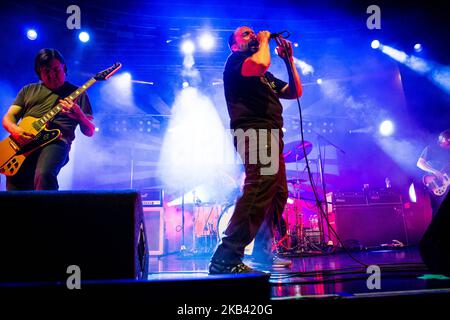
x: 313, y: 186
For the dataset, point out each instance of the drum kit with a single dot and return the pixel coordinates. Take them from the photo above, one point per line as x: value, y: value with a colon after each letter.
x: 212, y: 219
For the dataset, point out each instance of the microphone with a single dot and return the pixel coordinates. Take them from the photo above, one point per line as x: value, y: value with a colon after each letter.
x: 280, y: 34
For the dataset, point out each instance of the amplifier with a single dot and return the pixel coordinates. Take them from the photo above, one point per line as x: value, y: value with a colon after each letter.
x: 384, y: 196
x: 154, y: 229
x: 152, y: 197
x: 349, y: 198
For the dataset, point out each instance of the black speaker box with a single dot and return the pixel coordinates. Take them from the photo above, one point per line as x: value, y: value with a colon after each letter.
x: 43, y: 233
x: 371, y: 225
x: 435, y: 243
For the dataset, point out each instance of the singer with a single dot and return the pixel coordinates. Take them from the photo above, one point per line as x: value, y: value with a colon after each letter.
x: 253, y: 100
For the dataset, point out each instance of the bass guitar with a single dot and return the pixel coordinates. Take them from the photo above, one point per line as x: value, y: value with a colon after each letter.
x: 437, y: 186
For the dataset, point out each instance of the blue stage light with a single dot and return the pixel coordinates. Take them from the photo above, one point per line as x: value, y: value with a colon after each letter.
x: 418, y: 47
x: 375, y: 44
x: 32, y: 34
x: 187, y: 47
x: 84, y: 36
x: 386, y: 128
x: 206, y: 41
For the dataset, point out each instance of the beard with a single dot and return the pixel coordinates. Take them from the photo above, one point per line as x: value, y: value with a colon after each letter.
x: 252, y: 46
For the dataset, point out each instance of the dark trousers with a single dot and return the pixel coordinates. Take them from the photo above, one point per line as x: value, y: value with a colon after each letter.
x: 40, y: 169
x: 264, y: 196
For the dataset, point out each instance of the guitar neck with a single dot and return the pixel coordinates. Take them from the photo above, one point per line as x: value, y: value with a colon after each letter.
x: 41, y: 122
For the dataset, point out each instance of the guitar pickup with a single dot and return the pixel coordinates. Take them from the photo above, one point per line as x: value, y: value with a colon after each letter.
x: 14, y: 145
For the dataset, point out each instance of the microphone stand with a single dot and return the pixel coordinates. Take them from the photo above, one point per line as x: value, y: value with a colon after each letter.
x: 322, y: 180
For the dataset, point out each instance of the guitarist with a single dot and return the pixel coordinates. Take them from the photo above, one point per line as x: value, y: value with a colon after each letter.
x: 41, y: 168
x: 434, y: 159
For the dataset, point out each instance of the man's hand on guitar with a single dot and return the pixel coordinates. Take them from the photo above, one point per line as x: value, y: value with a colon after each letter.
x: 71, y: 109
x: 439, y: 175
x: 21, y: 136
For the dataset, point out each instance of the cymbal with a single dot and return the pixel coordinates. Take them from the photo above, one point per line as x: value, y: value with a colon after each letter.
x: 293, y: 151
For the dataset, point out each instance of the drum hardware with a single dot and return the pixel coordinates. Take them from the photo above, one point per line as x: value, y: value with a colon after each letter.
x: 205, y: 216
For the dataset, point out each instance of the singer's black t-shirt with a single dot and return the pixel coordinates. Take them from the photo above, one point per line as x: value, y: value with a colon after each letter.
x: 252, y: 101
x: 36, y: 100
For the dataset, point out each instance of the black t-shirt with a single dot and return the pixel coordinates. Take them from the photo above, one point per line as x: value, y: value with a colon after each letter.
x: 36, y: 100
x: 438, y: 157
x: 252, y: 101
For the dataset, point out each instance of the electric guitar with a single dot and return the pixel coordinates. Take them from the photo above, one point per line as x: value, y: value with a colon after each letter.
x: 435, y: 185
x: 13, y: 154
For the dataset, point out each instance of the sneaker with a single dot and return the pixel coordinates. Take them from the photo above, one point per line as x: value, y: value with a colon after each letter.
x: 274, y: 262
x: 218, y: 268
x: 278, y: 262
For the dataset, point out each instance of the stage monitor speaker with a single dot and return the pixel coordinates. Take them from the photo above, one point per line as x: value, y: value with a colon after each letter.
x: 43, y: 233
x: 435, y: 243
x: 154, y: 226
x: 370, y: 225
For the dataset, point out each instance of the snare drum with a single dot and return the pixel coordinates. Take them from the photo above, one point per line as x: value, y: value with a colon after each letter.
x: 224, y: 221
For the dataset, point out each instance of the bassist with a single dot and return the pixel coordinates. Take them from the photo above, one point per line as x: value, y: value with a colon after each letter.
x: 435, y: 160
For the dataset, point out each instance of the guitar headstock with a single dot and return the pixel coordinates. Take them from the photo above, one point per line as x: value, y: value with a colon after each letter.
x: 107, y: 73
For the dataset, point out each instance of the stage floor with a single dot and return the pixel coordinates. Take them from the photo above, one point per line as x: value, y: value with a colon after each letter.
x: 331, y: 276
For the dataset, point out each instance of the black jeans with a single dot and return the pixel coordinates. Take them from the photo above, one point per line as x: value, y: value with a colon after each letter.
x: 264, y: 196
x: 39, y: 171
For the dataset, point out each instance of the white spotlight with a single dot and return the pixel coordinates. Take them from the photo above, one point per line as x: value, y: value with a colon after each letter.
x: 375, y: 44
x: 188, y: 47
x: 206, y: 41
x: 32, y: 34
x: 418, y: 47
x: 185, y: 84
x: 319, y: 81
x: 126, y: 76
x: 412, y: 193
x: 84, y: 36
x: 386, y: 128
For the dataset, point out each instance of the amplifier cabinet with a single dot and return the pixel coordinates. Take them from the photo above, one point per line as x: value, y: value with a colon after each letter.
x: 154, y: 229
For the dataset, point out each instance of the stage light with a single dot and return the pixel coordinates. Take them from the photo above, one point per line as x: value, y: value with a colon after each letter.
x: 386, y: 128
x: 206, y: 41
x: 319, y: 81
x: 375, y: 44
x: 412, y: 193
x: 185, y: 84
x: 84, y: 36
x: 188, y: 47
x: 418, y: 47
x: 126, y: 77
x: 395, y: 54
x: 283, y: 129
x: 32, y: 34
x: 296, y: 44
x: 97, y: 129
